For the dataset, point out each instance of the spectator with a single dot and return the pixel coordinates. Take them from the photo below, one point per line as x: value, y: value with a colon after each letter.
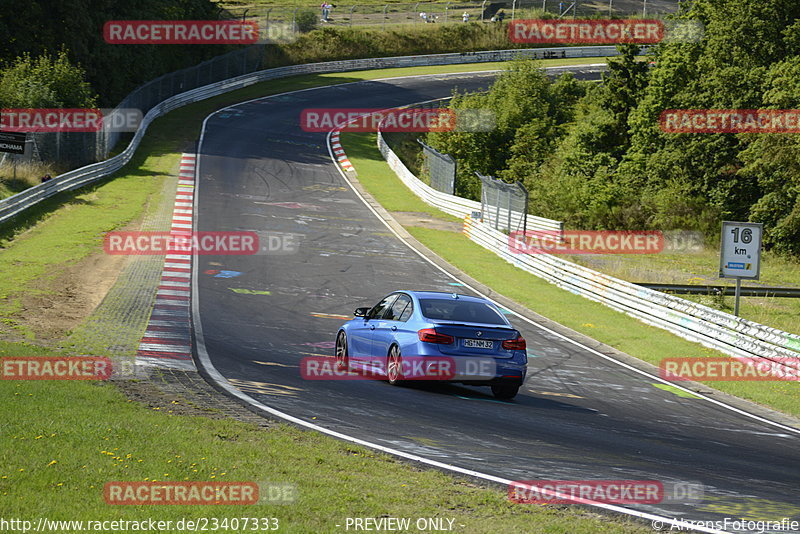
x: 46, y: 178
x: 465, y: 17
x: 561, y: 8
x: 500, y: 16
x: 326, y: 10
x: 424, y: 16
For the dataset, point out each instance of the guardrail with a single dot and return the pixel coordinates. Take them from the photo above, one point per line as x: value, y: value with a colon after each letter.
x: 712, y: 328
x: 452, y: 204
x: 728, y: 291
x: 14, y: 205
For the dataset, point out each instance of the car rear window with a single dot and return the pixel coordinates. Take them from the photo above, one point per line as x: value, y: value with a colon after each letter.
x: 460, y: 311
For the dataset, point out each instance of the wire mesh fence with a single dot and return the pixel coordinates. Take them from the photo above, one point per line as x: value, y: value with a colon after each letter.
x: 504, y: 205
x: 441, y: 169
x: 386, y: 16
x: 280, y: 23
x: 76, y: 149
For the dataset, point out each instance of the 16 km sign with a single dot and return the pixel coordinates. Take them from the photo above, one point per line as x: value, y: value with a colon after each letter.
x: 740, y: 250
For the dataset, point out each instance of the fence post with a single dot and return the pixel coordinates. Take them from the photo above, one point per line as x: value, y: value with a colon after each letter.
x: 483, y: 200
x: 513, y: 8
x: 383, y: 23
x: 525, y: 209
x: 497, y: 210
x: 508, y: 212
x: 483, y: 9
x: 351, y: 14
x: 446, y: 8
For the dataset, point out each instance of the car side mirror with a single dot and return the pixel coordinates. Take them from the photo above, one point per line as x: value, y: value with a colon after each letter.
x: 361, y: 312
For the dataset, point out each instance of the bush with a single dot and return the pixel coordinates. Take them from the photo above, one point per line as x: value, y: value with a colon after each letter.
x: 306, y: 21
x: 45, y: 82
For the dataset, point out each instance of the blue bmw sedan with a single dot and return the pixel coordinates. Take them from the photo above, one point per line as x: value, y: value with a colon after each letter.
x: 431, y: 335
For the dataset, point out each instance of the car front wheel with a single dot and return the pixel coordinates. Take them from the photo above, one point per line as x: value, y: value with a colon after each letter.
x: 342, y: 360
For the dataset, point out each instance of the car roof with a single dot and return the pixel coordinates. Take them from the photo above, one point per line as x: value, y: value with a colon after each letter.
x: 444, y: 295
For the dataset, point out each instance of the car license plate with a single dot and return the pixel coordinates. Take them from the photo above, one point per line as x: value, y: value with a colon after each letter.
x: 478, y: 343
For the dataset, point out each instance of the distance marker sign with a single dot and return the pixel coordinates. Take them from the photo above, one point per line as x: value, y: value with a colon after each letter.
x: 740, y: 250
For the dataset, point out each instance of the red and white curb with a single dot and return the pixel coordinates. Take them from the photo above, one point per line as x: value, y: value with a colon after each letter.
x: 167, y: 342
x: 338, y: 151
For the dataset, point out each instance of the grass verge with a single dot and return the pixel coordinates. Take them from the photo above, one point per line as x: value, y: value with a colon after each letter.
x: 582, y: 315
x: 60, y: 442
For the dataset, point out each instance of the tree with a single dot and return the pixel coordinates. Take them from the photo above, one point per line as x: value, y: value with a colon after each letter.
x: 526, y: 115
x: 45, y: 82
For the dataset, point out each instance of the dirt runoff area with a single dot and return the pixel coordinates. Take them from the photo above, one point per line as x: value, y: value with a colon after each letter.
x: 56, y: 304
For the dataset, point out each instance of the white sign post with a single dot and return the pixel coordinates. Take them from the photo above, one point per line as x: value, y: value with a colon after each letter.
x: 740, y: 254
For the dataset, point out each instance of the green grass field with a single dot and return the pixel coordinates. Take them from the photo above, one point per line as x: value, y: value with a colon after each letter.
x: 60, y: 442
x: 582, y: 315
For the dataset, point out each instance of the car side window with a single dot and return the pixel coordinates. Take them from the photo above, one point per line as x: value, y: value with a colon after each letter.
x: 406, y: 314
x: 378, y: 310
x: 398, y: 309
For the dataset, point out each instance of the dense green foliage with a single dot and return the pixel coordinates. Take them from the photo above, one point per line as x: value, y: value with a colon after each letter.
x: 306, y: 20
x: 594, y: 156
x: 332, y: 43
x: 44, y: 82
x: 39, y: 27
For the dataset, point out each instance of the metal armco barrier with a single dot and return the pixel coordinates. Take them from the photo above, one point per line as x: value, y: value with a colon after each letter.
x: 719, y: 330
x: 712, y: 328
x: 728, y: 291
x: 14, y: 205
x: 452, y: 204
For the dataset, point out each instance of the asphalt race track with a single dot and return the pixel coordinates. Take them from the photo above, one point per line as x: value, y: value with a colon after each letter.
x: 579, y: 416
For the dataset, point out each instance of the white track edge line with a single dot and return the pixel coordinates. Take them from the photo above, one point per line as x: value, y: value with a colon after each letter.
x: 557, y: 334
x: 214, y: 374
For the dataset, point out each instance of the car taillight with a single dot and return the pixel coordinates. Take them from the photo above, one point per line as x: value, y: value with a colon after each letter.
x: 429, y: 335
x: 515, y: 344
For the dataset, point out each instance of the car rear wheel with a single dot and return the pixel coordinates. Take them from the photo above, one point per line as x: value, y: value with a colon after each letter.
x: 342, y: 359
x: 394, y: 366
x: 505, y: 392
